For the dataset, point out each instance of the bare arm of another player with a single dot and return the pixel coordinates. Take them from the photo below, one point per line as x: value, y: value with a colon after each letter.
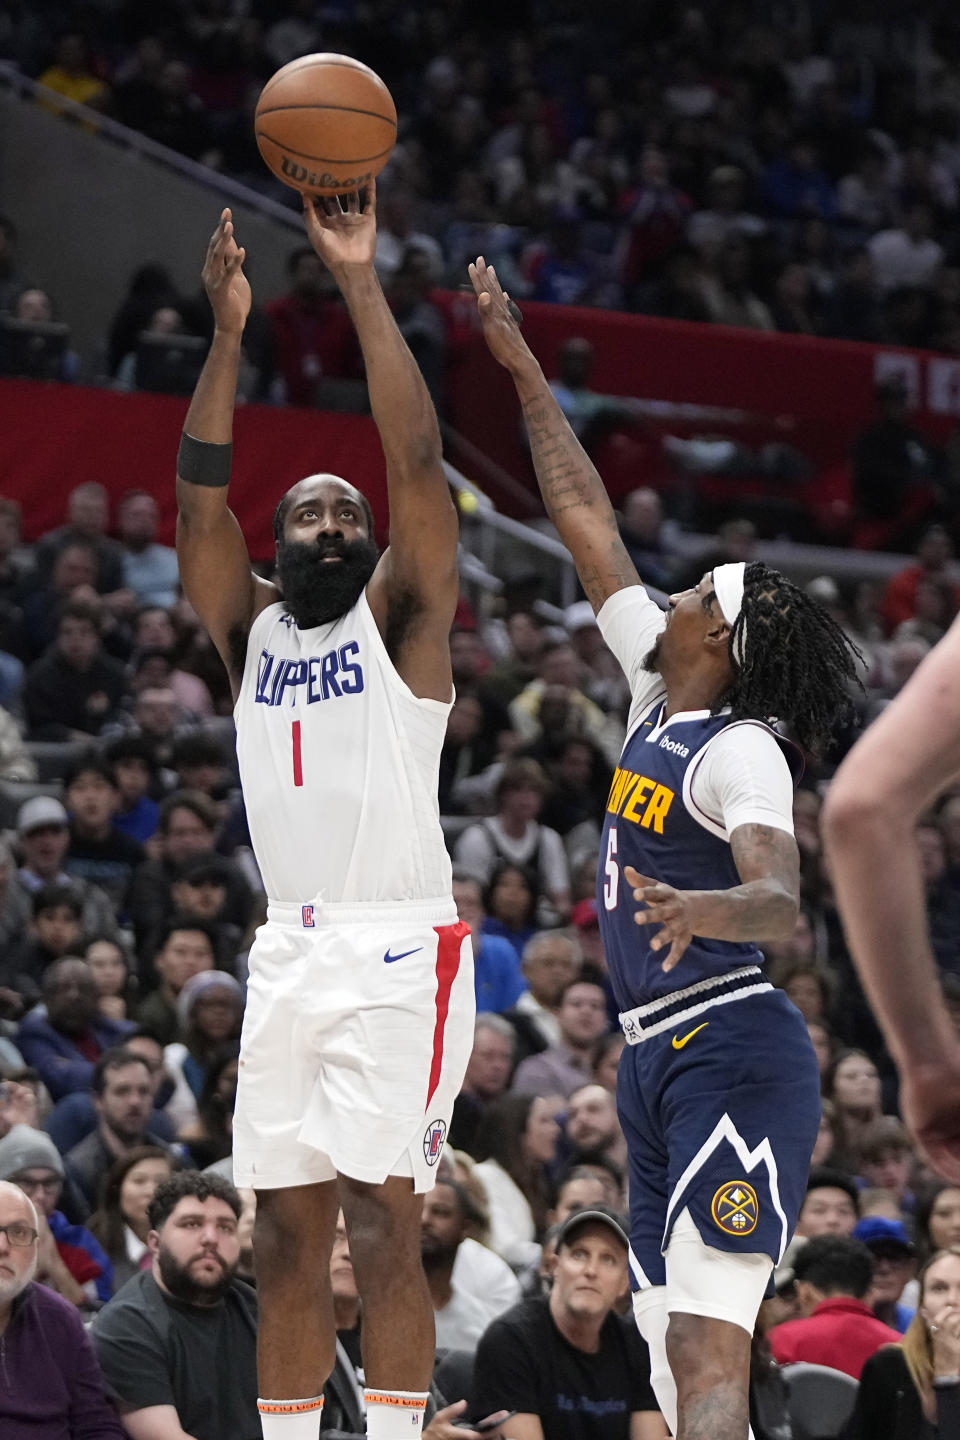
x: 903, y: 761
x: 763, y: 907
x: 212, y: 553
x: 418, y: 574
x: 572, y: 491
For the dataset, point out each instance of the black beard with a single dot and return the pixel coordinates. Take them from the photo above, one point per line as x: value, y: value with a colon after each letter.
x: 652, y: 657
x: 316, y: 593
x: 182, y: 1286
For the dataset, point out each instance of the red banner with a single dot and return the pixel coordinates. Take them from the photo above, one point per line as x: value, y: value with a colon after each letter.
x: 53, y: 437
x: 813, y: 395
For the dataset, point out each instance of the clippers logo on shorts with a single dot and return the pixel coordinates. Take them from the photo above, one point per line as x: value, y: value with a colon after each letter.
x: 436, y: 1133
x: 309, y: 922
x: 735, y: 1208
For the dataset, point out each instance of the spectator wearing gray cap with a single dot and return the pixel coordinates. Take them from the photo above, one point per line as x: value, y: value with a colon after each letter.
x: 53, y: 1386
x: 43, y: 838
x: 210, y: 1013
x: 69, y: 1259
x: 567, y: 1363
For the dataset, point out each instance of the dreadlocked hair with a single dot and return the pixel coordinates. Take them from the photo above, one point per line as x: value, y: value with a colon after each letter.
x: 795, y: 663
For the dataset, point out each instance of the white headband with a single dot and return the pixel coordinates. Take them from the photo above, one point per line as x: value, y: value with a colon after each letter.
x: 728, y: 585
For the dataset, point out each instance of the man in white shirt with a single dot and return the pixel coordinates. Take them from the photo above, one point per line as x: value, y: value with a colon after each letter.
x: 907, y: 256
x: 460, y: 1317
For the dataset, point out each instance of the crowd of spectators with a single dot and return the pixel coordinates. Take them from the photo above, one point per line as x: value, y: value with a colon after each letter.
x: 703, y: 163
x: 128, y: 899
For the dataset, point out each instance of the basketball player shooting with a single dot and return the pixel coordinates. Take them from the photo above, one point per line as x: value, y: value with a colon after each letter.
x: 359, y: 1017
x: 718, y: 1091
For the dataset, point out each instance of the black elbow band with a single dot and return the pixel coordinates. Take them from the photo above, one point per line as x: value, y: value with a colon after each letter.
x: 201, y: 462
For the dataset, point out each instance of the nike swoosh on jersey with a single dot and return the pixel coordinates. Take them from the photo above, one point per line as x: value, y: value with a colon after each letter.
x: 389, y: 959
x: 678, y: 1044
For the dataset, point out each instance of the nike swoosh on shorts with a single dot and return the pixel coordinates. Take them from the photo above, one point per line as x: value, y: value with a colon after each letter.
x: 389, y: 959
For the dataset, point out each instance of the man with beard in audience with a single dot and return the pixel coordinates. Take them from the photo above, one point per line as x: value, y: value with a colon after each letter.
x: 178, y: 1343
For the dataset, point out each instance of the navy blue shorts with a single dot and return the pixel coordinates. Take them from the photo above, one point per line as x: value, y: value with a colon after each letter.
x: 722, y: 1124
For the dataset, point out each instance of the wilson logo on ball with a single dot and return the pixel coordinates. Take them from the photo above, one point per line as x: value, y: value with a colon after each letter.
x: 326, y: 124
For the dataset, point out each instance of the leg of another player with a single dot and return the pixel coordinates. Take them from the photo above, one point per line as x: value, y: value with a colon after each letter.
x: 398, y: 1336
x: 296, y: 1343
x: 710, y: 1360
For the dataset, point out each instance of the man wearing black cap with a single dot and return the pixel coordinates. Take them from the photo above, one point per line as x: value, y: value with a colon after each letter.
x: 567, y: 1363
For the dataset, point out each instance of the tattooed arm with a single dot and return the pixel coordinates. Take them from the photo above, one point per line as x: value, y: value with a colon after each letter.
x: 572, y: 491
x: 763, y: 907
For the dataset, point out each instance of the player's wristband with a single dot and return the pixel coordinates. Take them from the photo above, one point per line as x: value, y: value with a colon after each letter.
x: 202, y: 462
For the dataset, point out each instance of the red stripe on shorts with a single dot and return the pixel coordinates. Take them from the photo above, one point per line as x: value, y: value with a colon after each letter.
x: 449, y: 940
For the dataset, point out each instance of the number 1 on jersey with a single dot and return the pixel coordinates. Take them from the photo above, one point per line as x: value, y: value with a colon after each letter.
x: 611, y: 871
x: 297, y: 756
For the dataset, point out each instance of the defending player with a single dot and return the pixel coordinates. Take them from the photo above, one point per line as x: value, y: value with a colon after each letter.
x: 907, y: 758
x: 359, y: 1016
x: 718, y: 1090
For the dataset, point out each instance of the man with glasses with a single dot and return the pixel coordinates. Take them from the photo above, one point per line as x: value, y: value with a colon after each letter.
x: 70, y: 1260
x: 58, y: 1387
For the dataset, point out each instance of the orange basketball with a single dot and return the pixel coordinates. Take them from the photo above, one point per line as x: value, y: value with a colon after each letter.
x: 326, y: 124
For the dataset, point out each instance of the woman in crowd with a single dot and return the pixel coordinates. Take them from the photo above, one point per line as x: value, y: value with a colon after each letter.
x: 108, y: 962
x: 121, y: 1224
x: 516, y: 1142
x: 936, y: 1218
x: 511, y: 900
x: 853, y: 1084
x: 210, y: 1013
x: 911, y: 1391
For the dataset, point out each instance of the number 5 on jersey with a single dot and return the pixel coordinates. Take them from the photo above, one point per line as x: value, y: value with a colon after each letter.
x: 611, y: 871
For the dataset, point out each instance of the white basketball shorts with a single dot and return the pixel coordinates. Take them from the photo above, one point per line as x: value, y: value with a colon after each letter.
x: 356, y: 1036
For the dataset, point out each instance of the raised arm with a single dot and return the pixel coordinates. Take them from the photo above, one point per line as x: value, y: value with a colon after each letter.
x: 420, y: 567
x: 572, y: 491
x: 895, y: 771
x: 212, y: 553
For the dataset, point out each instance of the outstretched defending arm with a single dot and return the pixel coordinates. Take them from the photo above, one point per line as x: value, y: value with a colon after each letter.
x: 892, y: 775
x: 214, y: 564
x: 419, y: 573
x: 572, y: 491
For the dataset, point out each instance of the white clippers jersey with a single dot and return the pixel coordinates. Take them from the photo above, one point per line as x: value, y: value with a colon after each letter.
x: 339, y: 762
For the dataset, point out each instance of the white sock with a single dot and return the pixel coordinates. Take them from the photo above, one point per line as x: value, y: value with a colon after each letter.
x: 650, y: 1313
x: 290, y: 1419
x: 392, y: 1414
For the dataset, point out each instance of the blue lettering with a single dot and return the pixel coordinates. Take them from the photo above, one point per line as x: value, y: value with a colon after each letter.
x: 278, y: 675
x: 312, y: 693
x: 295, y: 674
x: 264, y: 666
x: 328, y: 670
x: 337, y: 673
x: 354, y: 684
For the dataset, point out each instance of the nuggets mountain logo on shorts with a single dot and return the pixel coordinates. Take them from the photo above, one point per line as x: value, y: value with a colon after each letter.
x: 735, y: 1208
x: 433, y: 1138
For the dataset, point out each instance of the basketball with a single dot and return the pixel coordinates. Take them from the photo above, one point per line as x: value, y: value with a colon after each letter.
x: 326, y: 124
